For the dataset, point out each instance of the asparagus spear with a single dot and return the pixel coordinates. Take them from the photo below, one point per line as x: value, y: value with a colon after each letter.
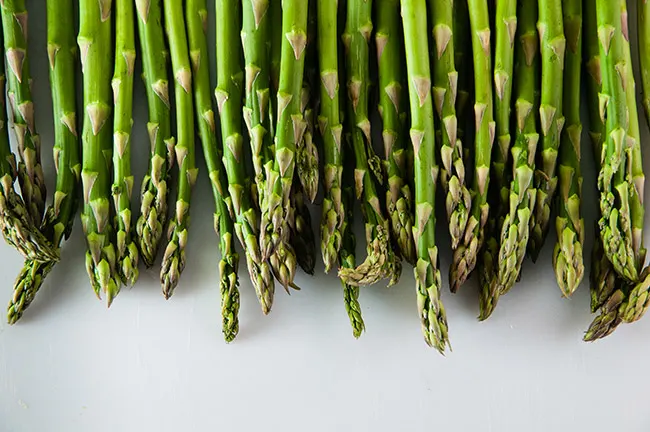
x: 173, y: 261
x: 197, y: 14
x: 399, y: 198
x: 628, y: 302
x: 381, y: 262
x: 553, y: 46
x: 127, y: 251
x: 615, y: 221
x: 153, y: 208
x: 567, y: 257
x: 228, y: 95
x: 427, y: 276
x: 347, y: 260
x: 255, y: 39
x: 516, y: 225
x: 30, y: 171
x: 334, y: 211
x: 59, y: 217
x: 95, y: 45
x: 505, y: 29
x: 634, y: 167
x: 445, y: 85
x: 638, y: 299
x: 643, y: 45
x: 16, y: 224
x: 603, y: 277
x: 466, y: 254
x: 276, y: 217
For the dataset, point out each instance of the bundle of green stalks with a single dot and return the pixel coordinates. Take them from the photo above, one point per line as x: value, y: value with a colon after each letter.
x: 321, y: 101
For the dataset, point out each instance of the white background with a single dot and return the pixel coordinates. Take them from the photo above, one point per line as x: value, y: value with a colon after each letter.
x: 150, y: 364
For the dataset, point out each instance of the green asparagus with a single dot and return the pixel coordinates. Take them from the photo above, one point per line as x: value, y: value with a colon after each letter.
x: 552, y: 48
x: 30, y: 172
x: 603, y: 277
x: 381, y: 262
x: 153, y: 207
x: 427, y: 275
x: 516, y: 226
x: 567, y: 256
x: 488, y: 266
x: 255, y: 39
x: 173, y: 261
x: 127, y: 251
x: 95, y: 46
x: 334, y: 211
x: 290, y: 127
x: 466, y: 254
x: 196, y: 15
x: 228, y: 95
x: 59, y: 217
x: 615, y: 222
x: 347, y: 260
x: 399, y: 198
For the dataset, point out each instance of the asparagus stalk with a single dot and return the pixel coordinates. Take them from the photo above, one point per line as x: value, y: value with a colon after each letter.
x: 638, y: 300
x: 466, y: 254
x: 197, y: 14
x: 30, y: 172
x: 334, y: 211
x: 16, y: 224
x: 635, y: 163
x: 615, y: 221
x: 399, y: 199
x: 153, y: 207
x: 95, y: 45
x: 173, y: 261
x: 427, y: 276
x: 603, y: 277
x: 505, y: 29
x: 276, y: 217
x: 255, y: 39
x: 643, y: 45
x: 629, y: 301
x: 127, y: 251
x: 567, y: 257
x: 445, y: 85
x: 59, y: 217
x: 516, y: 225
x: 347, y: 260
x: 228, y: 95
x: 553, y: 46
x: 381, y: 262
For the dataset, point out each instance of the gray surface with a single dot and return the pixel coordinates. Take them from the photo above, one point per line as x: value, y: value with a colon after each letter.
x: 147, y: 364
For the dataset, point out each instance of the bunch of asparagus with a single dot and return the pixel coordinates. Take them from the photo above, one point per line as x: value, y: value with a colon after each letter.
x: 405, y: 69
